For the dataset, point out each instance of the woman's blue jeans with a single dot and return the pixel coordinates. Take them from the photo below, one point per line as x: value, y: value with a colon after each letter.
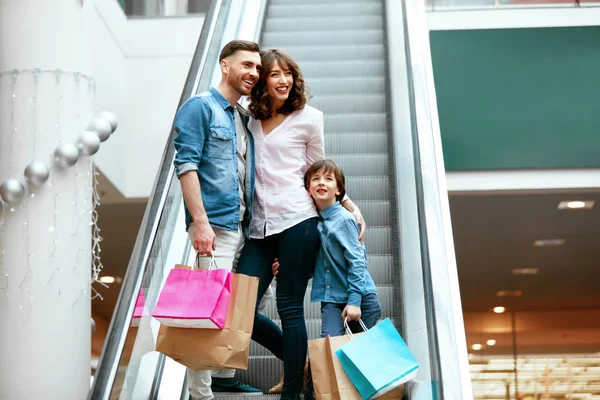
x: 296, y: 248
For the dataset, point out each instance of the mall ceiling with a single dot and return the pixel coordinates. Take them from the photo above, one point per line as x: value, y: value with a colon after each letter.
x: 495, y: 234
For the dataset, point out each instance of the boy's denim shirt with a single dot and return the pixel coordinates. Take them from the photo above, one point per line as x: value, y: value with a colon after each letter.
x: 206, y: 142
x: 341, y: 274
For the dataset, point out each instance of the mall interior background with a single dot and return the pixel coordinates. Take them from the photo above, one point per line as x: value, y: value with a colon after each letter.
x: 516, y: 85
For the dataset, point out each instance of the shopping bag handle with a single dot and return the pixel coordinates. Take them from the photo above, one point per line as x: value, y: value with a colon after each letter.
x: 212, y: 265
x: 349, y: 332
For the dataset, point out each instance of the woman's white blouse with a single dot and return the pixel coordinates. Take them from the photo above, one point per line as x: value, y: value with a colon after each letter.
x: 282, y: 157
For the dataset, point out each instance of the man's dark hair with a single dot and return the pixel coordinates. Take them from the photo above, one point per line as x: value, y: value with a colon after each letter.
x: 238, y: 45
x: 327, y: 167
x: 260, y: 105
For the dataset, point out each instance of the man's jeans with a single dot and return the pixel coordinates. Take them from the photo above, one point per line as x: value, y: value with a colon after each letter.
x: 229, y: 249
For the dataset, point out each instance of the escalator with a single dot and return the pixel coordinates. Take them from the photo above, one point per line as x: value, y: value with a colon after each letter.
x: 340, y: 48
x: 366, y: 64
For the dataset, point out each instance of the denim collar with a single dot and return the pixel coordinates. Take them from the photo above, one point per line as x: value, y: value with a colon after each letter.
x: 329, y: 211
x: 222, y: 100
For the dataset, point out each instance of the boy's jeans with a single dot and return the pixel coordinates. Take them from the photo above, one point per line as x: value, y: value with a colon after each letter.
x: 333, y: 323
x: 229, y: 249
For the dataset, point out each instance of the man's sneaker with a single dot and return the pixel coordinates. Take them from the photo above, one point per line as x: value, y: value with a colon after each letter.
x: 232, y: 385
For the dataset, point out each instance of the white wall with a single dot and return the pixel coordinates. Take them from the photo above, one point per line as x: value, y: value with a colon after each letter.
x: 140, y: 66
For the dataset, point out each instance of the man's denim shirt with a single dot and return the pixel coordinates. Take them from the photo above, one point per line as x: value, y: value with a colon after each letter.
x: 341, y: 274
x: 206, y: 142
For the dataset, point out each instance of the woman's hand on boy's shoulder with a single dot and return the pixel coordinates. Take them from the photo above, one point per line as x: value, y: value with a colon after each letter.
x: 352, y: 208
x: 361, y: 224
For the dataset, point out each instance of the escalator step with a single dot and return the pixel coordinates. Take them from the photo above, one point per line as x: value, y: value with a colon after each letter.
x: 317, y: 38
x: 332, y: 69
x: 306, y: 24
x: 379, y: 241
x: 336, y: 53
x: 348, y: 85
x: 318, y: 10
x: 362, y: 165
x: 355, y: 122
x: 288, y: 2
x: 356, y: 142
x: 263, y: 372
x: 381, y: 269
x: 375, y: 213
x: 368, y: 188
x: 340, y: 104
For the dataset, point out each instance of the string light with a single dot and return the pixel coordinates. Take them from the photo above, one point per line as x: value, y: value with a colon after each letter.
x: 96, y: 238
x: 83, y: 283
x: 15, y: 77
x: 84, y: 205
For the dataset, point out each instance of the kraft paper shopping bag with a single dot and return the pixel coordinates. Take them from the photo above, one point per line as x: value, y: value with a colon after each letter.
x: 330, y: 381
x: 207, y: 349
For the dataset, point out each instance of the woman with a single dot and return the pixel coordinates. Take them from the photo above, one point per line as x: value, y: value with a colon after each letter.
x: 288, y: 137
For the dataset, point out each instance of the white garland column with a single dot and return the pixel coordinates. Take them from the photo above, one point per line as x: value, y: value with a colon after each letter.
x: 45, y: 239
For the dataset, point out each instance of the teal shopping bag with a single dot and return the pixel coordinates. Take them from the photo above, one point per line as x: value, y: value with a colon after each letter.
x: 378, y: 361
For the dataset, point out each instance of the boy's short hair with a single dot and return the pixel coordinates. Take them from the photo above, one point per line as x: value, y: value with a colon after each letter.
x: 238, y: 45
x: 327, y: 167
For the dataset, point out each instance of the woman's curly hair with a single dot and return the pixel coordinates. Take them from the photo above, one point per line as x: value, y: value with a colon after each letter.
x: 260, y: 105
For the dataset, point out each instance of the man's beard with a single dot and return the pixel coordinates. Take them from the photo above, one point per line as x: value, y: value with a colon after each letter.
x: 238, y: 86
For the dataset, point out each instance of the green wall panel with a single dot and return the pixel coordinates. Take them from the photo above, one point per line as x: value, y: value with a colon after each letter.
x: 518, y: 98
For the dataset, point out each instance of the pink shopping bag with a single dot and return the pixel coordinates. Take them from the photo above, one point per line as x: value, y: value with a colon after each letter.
x: 140, y: 309
x: 194, y: 298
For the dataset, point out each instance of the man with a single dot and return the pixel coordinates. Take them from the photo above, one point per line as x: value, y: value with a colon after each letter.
x: 215, y: 166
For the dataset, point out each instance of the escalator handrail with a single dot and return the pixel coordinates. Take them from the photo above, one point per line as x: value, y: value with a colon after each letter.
x: 449, y: 363
x: 115, y: 340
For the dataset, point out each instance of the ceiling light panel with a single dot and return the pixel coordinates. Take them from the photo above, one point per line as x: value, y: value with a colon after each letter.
x: 525, y: 271
x: 576, y: 205
x: 509, y: 293
x: 107, y: 279
x: 549, y: 242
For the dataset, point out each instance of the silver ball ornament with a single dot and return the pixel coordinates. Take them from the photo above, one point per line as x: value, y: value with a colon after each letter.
x: 36, y: 173
x: 88, y: 143
x: 110, y: 117
x: 12, y: 191
x: 100, y: 127
x: 66, y: 155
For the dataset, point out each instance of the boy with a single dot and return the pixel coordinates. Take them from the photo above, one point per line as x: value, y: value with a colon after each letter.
x: 341, y: 281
